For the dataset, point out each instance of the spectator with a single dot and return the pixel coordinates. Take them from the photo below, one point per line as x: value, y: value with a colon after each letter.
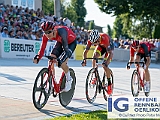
x: 37, y: 35
x: 18, y: 34
x: 33, y: 35
x: 29, y: 34
x: 79, y: 40
x: 11, y: 34
x: 1, y: 21
x: 25, y: 35
x: 5, y: 32
x: 116, y: 43
x: 67, y: 22
x: 122, y: 44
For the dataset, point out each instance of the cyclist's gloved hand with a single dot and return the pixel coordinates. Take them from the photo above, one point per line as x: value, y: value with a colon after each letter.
x: 36, y: 59
x: 68, y: 53
x: 84, y: 62
x: 128, y: 67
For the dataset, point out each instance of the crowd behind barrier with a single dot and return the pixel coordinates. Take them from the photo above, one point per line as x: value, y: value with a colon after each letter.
x: 23, y: 23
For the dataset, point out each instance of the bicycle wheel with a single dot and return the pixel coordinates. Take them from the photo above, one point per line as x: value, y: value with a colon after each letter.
x: 135, y: 83
x: 105, y: 85
x: 91, y: 85
x: 41, y: 89
x: 66, y: 97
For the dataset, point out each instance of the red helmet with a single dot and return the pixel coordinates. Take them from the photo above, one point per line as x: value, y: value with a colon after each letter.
x: 47, y: 25
x: 135, y: 43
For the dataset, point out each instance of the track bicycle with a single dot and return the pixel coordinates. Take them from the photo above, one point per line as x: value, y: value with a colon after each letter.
x: 94, y: 84
x: 45, y: 85
x: 137, y: 79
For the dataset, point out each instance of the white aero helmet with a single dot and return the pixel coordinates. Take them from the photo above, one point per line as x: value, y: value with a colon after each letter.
x: 94, y: 36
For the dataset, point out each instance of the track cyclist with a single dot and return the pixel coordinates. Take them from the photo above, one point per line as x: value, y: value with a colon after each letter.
x: 142, y: 51
x: 65, y: 46
x: 104, y: 46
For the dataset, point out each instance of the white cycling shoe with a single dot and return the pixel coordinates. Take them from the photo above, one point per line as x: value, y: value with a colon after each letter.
x: 146, y: 87
x: 68, y: 85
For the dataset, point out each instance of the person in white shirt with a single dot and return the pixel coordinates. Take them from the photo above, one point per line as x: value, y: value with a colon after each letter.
x: 5, y: 32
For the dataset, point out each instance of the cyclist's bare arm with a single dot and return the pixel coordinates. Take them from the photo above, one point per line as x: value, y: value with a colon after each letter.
x: 130, y: 60
x: 85, y: 54
x: 110, y: 51
x: 86, y: 51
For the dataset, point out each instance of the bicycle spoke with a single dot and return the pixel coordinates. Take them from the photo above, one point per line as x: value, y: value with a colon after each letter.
x: 40, y: 97
x: 40, y: 94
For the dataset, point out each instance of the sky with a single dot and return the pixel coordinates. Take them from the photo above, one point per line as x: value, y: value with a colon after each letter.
x: 93, y: 13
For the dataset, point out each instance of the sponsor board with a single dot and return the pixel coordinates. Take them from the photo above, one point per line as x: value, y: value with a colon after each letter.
x: 19, y: 48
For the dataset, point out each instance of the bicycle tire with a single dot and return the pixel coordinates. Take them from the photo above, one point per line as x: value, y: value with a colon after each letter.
x: 66, y: 97
x: 135, y: 82
x: 91, y: 85
x: 43, y: 92
x: 105, y: 85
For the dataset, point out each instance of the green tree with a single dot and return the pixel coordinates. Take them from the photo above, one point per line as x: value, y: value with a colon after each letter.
x: 156, y: 33
x: 109, y: 30
x: 48, y: 7
x: 146, y: 12
x: 69, y: 12
x: 78, y: 6
x: 117, y: 28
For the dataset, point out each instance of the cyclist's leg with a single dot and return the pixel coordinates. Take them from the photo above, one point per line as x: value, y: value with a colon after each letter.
x: 108, y: 57
x: 146, y: 73
x: 56, y: 52
x: 63, y: 59
x: 147, y: 63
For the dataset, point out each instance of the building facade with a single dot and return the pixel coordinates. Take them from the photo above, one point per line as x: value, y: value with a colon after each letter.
x: 31, y: 4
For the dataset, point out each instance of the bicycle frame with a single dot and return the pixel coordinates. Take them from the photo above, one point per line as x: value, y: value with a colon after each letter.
x: 137, y: 69
x: 141, y: 80
x: 56, y: 85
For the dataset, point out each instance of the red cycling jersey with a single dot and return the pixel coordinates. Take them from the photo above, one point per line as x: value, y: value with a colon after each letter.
x: 71, y: 37
x: 144, y: 49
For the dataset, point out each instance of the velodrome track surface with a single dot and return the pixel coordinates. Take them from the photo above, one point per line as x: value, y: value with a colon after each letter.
x: 16, y: 83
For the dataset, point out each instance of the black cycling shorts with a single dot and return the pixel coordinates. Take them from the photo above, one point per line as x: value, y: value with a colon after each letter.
x: 58, y: 49
x: 142, y: 55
